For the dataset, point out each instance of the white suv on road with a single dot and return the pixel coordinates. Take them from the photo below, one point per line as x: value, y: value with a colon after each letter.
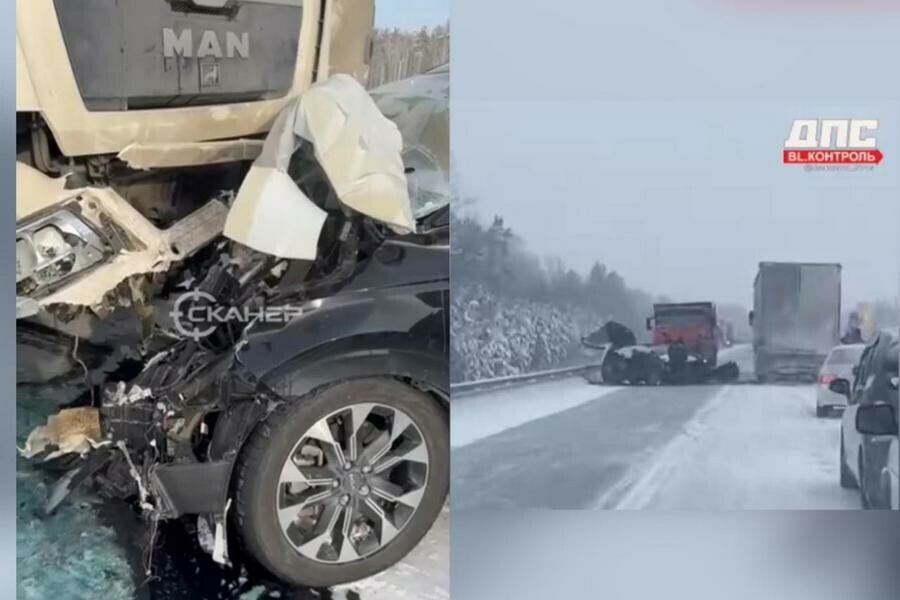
x: 838, y: 365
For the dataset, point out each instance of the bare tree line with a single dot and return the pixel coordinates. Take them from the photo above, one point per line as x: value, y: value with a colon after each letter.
x: 400, y: 54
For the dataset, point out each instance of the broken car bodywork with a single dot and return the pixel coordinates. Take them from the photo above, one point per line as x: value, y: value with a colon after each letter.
x: 625, y: 362
x: 86, y: 123
x: 73, y: 247
x: 368, y: 285
x: 184, y: 418
x: 358, y: 149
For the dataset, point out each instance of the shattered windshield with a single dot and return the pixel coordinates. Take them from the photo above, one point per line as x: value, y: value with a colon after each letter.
x: 420, y: 107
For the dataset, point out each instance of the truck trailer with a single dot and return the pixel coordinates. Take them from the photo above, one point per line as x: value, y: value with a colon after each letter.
x: 795, y: 318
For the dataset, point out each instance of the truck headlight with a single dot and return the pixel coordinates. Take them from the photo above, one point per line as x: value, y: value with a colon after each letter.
x: 54, y: 247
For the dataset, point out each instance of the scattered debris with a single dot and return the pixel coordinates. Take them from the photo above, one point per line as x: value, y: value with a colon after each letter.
x: 167, y: 424
x: 144, y: 495
x: 123, y: 396
x: 624, y: 362
x: 70, y: 431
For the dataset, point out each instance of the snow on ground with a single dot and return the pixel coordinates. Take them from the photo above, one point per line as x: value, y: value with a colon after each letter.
x: 423, y: 575
x: 478, y: 416
x: 565, y: 460
x: 567, y: 444
x: 750, y: 447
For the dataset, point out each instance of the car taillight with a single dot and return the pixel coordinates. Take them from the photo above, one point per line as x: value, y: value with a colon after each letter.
x: 826, y: 379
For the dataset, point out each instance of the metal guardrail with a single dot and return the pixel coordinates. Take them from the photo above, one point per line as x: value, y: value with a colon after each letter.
x: 515, y: 380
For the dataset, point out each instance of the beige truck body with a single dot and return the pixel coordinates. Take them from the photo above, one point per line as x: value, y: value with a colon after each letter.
x: 334, y: 38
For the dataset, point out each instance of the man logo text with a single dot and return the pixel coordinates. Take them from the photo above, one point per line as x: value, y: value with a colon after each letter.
x: 182, y: 44
x: 832, y: 141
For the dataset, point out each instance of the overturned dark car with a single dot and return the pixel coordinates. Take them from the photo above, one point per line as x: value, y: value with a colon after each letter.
x: 289, y: 393
x: 625, y: 362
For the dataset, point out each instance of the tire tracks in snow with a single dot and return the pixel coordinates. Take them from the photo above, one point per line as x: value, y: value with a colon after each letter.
x: 637, y: 488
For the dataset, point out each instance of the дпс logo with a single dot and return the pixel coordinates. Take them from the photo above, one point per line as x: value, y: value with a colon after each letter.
x: 832, y: 142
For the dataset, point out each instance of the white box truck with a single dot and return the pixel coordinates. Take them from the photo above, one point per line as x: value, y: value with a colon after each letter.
x: 795, y: 318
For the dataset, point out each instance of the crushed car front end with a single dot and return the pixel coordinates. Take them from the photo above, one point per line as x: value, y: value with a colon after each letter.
x: 290, y: 389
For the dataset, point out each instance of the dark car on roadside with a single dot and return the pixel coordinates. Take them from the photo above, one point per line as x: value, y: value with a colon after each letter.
x: 864, y: 450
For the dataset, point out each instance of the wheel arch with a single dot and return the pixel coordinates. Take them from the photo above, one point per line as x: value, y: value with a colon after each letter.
x: 361, y: 356
x: 344, y: 360
x: 258, y: 476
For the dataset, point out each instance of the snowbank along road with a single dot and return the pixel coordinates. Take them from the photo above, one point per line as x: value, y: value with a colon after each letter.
x: 568, y: 444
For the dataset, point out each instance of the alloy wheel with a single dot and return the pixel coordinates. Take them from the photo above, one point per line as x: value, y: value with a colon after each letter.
x: 352, y: 483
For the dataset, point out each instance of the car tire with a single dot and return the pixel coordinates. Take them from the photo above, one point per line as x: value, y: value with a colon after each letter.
x: 613, y: 369
x: 258, y: 479
x: 655, y: 376
x: 848, y: 481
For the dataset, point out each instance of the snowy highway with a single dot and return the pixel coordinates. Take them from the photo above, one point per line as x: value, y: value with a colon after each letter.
x: 567, y: 444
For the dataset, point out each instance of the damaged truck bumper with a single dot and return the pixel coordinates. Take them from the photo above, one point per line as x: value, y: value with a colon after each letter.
x: 369, y: 286
x: 88, y: 248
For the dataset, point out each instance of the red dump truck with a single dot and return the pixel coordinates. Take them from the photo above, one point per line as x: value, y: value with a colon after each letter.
x: 684, y: 349
x: 693, y: 325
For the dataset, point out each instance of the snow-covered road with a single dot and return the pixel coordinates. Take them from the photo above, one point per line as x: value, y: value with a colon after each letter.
x: 749, y: 447
x: 742, y: 446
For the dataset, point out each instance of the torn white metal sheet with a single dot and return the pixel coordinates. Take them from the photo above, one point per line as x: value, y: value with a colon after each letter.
x: 359, y: 149
x: 272, y: 215
x: 184, y: 154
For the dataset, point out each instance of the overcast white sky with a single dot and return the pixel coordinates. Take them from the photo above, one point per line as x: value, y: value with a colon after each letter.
x: 649, y: 137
